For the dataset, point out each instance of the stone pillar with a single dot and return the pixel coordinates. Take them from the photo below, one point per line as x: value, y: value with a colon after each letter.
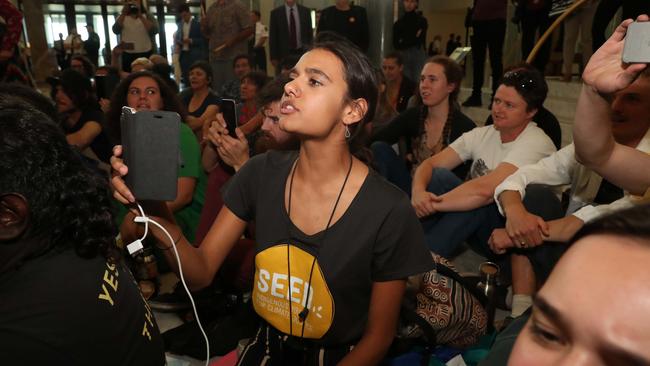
x: 41, y: 61
x: 381, y: 16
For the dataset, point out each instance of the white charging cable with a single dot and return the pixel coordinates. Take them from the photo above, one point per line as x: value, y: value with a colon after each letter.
x: 133, y: 248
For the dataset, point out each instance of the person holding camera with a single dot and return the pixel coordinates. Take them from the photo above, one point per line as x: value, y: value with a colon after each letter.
x: 146, y: 91
x: 136, y: 27
x: 342, y: 255
x: 605, y: 75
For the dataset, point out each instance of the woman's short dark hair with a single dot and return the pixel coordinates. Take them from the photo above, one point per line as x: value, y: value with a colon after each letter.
x: 70, y: 206
x: 529, y: 83
x: 205, y: 66
x: 258, y: 78
x: 241, y: 57
x: 453, y: 73
x: 76, y: 86
x: 170, y: 99
x: 397, y: 56
x: 359, y: 74
x: 88, y: 66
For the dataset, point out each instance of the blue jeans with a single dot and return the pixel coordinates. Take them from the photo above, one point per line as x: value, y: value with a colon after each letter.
x: 446, y: 231
x: 391, y: 166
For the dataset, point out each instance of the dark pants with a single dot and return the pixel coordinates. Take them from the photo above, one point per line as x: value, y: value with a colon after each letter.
x: 540, y: 200
x: 488, y: 34
x: 391, y: 166
x: 445, y: 232
x: 271, y: 348
x: 531, y: 24
x: 128, y: 58
x: 259, y: 58
x: 606, y: 11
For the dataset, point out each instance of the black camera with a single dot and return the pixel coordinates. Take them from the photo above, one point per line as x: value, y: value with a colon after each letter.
x: 133, y: 9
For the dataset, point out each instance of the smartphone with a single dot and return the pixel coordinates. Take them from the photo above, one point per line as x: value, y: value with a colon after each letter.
x: 637, y: 43
x: 151, y: 150
x: 105, y: 84
x: 229, y: 111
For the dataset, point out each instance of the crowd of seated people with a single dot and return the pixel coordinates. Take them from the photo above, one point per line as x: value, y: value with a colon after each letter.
x: 307, y: 168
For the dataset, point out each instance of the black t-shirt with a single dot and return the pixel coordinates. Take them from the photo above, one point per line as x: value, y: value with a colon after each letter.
x: 410, y: 31
x: 210, y: 99
x: 378, y: 238
x: 101, y: 145
x: 351, y: 24
x: 60, y: 309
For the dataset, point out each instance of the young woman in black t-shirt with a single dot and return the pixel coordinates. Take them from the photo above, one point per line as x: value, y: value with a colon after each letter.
x: 335, y: 242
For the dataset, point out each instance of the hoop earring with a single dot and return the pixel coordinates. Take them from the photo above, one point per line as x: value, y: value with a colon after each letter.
x: 347, y: 132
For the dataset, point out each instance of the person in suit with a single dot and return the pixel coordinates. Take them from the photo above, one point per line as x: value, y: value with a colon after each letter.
x: 281, y: 43
x: 189, y: 40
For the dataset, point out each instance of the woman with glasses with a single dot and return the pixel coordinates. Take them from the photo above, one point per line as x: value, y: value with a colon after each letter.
x: 453, y: 211
x: 145, y: 91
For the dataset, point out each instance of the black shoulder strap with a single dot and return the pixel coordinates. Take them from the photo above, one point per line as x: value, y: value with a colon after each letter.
x: 446, y: 271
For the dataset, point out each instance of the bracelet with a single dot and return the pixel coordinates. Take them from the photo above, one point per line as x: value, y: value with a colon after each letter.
x: 180, y: 235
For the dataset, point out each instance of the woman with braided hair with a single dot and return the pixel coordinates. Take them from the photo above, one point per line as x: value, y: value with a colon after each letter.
x: 427, y: 128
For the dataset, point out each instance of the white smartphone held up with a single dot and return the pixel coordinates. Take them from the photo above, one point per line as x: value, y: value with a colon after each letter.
x: 637, y: 43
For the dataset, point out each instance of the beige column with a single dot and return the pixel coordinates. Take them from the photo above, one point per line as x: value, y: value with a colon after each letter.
x: 35, y: 22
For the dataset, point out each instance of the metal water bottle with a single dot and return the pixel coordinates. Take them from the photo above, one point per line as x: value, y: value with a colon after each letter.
x: 489, y: 272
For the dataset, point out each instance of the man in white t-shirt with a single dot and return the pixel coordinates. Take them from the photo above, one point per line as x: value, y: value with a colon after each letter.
x: 136, y: 29
x: 453, y: 211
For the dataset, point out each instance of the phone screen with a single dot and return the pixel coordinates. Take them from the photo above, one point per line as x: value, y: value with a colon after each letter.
x: 229, y: 111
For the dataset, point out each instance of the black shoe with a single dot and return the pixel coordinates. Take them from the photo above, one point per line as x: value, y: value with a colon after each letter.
x: 473, y: 101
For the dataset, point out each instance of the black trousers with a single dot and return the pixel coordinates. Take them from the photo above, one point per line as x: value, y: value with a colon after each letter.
x: 540, y: 200
x: 606, y: 11
x: 531, y: 24
x: 270, y: 347
x: 259, y: 58
x: 488, y: 35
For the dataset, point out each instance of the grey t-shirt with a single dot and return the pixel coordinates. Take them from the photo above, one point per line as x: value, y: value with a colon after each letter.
x: 378, y: 238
